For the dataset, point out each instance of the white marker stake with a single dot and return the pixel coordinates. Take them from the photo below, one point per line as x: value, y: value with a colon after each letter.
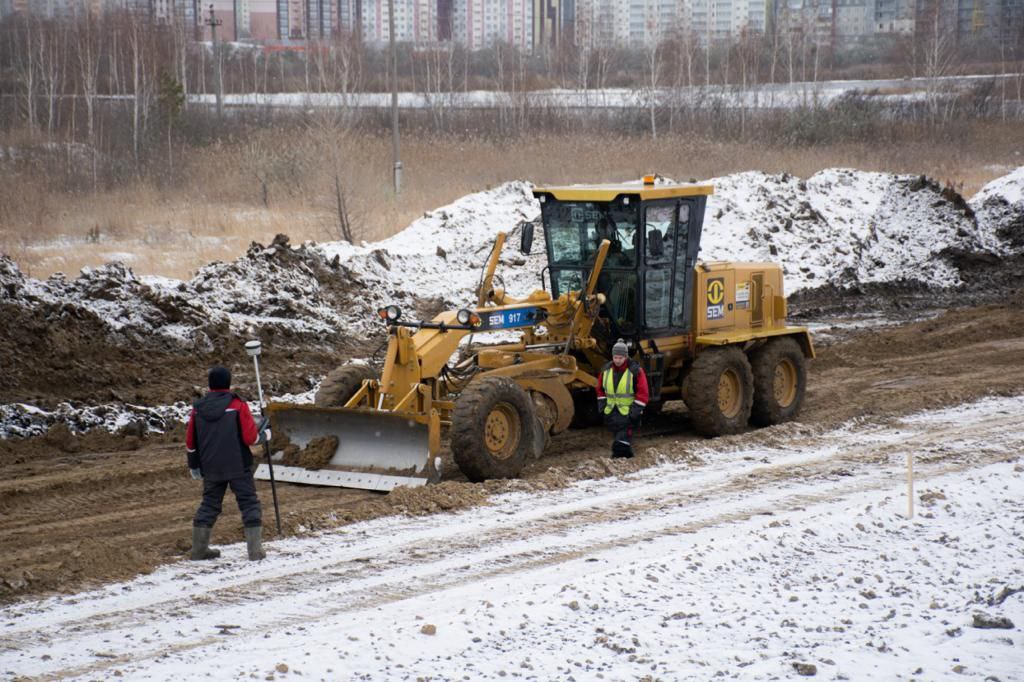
x: 910, y: 484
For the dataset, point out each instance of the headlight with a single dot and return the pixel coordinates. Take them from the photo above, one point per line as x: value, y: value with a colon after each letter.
x: 391, y: 313
x: 464, y: 316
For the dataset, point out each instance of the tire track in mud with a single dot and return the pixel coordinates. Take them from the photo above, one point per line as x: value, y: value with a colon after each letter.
x: 660, y: 495
x: 559, y: 532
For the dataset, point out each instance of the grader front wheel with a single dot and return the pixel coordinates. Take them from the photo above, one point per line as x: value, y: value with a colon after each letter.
x: 494, y: 429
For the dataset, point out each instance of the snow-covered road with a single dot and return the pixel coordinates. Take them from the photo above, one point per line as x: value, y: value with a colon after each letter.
x: 753, y: 561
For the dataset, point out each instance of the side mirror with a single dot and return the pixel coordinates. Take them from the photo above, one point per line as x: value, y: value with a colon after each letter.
x: 655, y: 243
x: 526, y: 238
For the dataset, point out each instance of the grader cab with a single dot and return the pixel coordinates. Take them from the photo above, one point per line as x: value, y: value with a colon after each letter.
x: 622, y: 263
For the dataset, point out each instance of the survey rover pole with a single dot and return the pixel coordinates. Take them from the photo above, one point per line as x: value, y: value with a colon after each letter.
x: 253, y: 348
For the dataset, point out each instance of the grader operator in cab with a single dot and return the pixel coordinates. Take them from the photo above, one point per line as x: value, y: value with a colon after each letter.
x: 622, y: 263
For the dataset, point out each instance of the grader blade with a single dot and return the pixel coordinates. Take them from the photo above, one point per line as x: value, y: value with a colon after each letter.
x: 349, y: 448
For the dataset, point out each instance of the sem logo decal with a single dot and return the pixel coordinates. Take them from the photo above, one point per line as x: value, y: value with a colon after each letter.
x: 716, y: 298
x: 716, y: 291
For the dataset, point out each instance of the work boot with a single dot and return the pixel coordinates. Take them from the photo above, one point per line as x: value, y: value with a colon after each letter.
x: 254, y: 542
x: 201, y: 544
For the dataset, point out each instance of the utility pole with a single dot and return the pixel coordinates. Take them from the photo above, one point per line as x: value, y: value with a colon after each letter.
x: 394, y: 97
x: 213, y: 22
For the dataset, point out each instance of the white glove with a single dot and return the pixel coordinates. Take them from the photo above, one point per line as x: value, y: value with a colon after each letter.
x: 197, y: 474
x: 266, y: 436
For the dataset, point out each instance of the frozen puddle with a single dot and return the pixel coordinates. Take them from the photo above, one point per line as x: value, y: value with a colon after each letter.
x: 763, y: 558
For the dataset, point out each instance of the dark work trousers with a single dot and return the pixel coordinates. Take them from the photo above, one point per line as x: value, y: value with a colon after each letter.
x: 621, y: 427
x: 244, y: 488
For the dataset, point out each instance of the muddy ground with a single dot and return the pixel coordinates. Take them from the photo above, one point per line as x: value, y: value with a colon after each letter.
x: 76, y: 511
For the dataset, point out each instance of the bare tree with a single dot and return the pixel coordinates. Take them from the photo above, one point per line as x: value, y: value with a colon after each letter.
x: 654, y: 65
x: 939, y: 57
x: 52, y: 62
x: 88, y: 47
x: 26, y: 53
x: 135, y: 46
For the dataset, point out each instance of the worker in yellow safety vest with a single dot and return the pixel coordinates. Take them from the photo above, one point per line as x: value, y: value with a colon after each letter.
x: 621, y: 397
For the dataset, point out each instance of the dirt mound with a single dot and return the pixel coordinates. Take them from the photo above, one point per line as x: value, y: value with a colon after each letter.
x: 1000, y: 205
x: 430, y: 499
x: 288, y: 294
x: 110, y: 340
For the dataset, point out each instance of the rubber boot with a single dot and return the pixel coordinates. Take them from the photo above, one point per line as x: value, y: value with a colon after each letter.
x: 201, y: 544
x: 254, y: 542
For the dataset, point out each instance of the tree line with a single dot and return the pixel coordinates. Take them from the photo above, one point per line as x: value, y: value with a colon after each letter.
x: 120, y: 85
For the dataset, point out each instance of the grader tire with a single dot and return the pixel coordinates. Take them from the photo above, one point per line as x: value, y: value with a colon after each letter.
x: 719, y: 391
x: 341, y: 384
x: 780, y: 379
x: 494, y: 430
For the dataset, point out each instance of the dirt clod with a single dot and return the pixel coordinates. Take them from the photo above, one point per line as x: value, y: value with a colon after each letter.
x: 805, y: 669
x: 318, y: 453
x: 429, y: 629
x: 985, y: 621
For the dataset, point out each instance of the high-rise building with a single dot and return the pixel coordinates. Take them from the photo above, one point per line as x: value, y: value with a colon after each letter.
x: 482, y: 23
x: 894, y: 16
x: 320, y: 18
x: 55, y: 9
x: 296, y: 19
x: 853, y: 19
x: 623, y: 23
x: 547, y: 23
x: 415, y: 20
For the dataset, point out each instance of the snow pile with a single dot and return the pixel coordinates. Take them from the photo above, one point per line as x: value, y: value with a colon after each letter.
x: 19, y: 420
x: 277, y: 287
x: 842, y: 227
x: 839, y: 227
x: 1000, y: 207
x: 443, y: 253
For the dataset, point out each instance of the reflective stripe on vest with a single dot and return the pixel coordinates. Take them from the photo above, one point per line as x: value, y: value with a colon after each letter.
x: 619, y: 396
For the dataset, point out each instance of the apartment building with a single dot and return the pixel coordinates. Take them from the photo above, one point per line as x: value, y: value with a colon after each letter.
x: 893, y: 16
x: 481, y: 23
x: 549, y: 22
x: 853, y: 19
x: 55, y: 9
x: 625, y: 23
x: 999, y: 20
x: 415, y: 20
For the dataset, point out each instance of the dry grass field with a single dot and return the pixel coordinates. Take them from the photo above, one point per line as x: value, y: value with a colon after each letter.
x: 225, y: 196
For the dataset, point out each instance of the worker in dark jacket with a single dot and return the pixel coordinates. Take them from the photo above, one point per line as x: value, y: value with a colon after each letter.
x: 220, y: 431
x: 621, y: 397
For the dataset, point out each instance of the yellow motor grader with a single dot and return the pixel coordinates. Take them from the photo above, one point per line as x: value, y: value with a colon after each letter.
x: 621, y: 263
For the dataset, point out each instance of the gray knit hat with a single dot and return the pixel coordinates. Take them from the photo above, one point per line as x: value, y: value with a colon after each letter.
x: 620, y: 348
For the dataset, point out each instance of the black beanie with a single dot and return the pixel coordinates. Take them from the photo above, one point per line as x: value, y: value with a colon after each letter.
x: 220, y: 378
